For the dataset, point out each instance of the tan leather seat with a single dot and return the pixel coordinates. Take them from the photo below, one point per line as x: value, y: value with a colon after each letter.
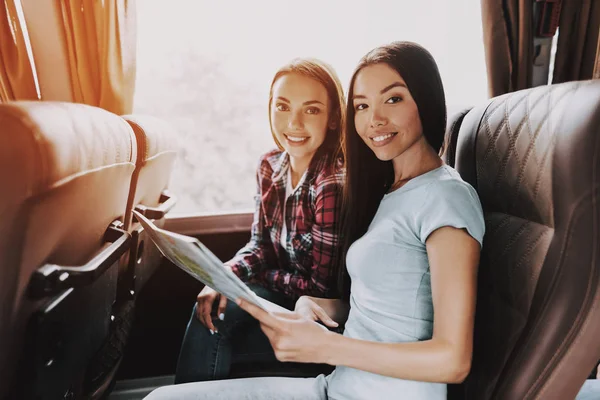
x: 156, y: 153
x: 65, y: 171
x: 534, y: 158
x: 157, y: 150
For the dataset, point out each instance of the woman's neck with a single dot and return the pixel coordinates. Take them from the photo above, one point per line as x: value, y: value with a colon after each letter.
x: 417, y: 160
x: 298, y: 166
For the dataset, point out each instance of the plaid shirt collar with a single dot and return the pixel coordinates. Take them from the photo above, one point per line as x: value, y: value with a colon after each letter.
x: 279, y: 175
x: 274, y: 197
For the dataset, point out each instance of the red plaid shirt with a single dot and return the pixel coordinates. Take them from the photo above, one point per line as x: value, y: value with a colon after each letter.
x: 312, y: 213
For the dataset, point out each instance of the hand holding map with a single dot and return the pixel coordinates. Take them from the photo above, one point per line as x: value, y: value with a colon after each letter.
x: 196, y: 259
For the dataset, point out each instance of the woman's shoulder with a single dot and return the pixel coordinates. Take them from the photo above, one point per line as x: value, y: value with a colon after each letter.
x: 269, y: 162
x: 448, y: 184
x: 329, y: 172
x: 451, y: 201
x: 272, y: 157
x: 448, y: 191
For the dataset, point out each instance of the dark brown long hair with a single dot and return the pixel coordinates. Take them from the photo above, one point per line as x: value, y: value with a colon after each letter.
x: 367, y: 177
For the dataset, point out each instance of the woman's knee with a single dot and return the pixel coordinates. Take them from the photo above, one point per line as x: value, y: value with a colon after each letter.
x: 233, y: 317
x: 195, y: 327
x: 248, y: 388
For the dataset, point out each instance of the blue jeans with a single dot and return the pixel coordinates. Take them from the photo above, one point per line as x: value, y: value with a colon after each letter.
x: 204, y: 356
x: 271, y: 388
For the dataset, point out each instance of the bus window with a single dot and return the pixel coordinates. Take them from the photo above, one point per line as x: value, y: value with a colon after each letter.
x: 206, y: 67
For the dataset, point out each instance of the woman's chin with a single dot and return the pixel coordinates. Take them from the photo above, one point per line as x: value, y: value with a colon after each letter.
x: 299, y: 153
x: 383, y: 155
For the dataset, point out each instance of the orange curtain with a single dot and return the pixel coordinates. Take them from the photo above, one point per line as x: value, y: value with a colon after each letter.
x: 18, y: 80
x: 101, y: 43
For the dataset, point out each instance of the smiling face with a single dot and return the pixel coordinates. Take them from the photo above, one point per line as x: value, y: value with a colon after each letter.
x: 385, y: 115
x: 299, y: 114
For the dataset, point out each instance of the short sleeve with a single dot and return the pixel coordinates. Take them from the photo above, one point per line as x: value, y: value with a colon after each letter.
x: 452, y: 203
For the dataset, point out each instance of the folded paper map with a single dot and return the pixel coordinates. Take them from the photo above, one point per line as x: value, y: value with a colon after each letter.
x: 196, y: 259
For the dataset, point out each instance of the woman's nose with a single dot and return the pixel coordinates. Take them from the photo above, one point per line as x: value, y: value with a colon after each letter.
x: 295, y: 122
x: 377, y: 118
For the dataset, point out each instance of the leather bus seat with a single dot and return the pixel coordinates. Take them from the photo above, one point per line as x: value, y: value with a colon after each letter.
x: 65, y: 171
x: 157, y: 150
x: 534, y: 158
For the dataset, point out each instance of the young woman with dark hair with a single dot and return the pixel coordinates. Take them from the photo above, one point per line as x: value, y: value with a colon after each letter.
x: 413, y: 231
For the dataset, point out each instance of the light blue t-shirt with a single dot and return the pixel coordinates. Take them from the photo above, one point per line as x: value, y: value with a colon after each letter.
x: 391, y: 288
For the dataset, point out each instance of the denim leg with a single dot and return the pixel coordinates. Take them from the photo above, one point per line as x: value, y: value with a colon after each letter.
x: 249, y: 342
x: 207, y: 357
x: 249, y: 388
x: 252, y: 345
x: 200, y: 353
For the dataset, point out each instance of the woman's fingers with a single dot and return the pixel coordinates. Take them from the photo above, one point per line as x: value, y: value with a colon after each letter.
x: 326, y: 319
x: 288, y: 315
x: 200, y: 310
x: 269, y: 333
x: 221, y: 309
x: 206, y: 314
x: 199, y: 302
x: 261, y: 315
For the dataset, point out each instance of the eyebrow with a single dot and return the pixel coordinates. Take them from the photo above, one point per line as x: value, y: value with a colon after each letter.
x: 382, y: 91
x: 306, y: 103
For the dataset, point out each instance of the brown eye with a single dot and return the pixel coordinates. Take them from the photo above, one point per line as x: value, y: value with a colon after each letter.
x: 313, y: 110
x: 394, y: 99
x: 281, y: 107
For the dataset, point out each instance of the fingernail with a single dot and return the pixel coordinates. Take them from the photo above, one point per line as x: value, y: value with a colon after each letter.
x: 212, y: 332
x: 222, y: 316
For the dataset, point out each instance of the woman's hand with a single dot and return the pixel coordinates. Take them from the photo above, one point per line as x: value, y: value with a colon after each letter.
x: 205, y: 300
x: 307, y: 308
x: 294, y: 337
